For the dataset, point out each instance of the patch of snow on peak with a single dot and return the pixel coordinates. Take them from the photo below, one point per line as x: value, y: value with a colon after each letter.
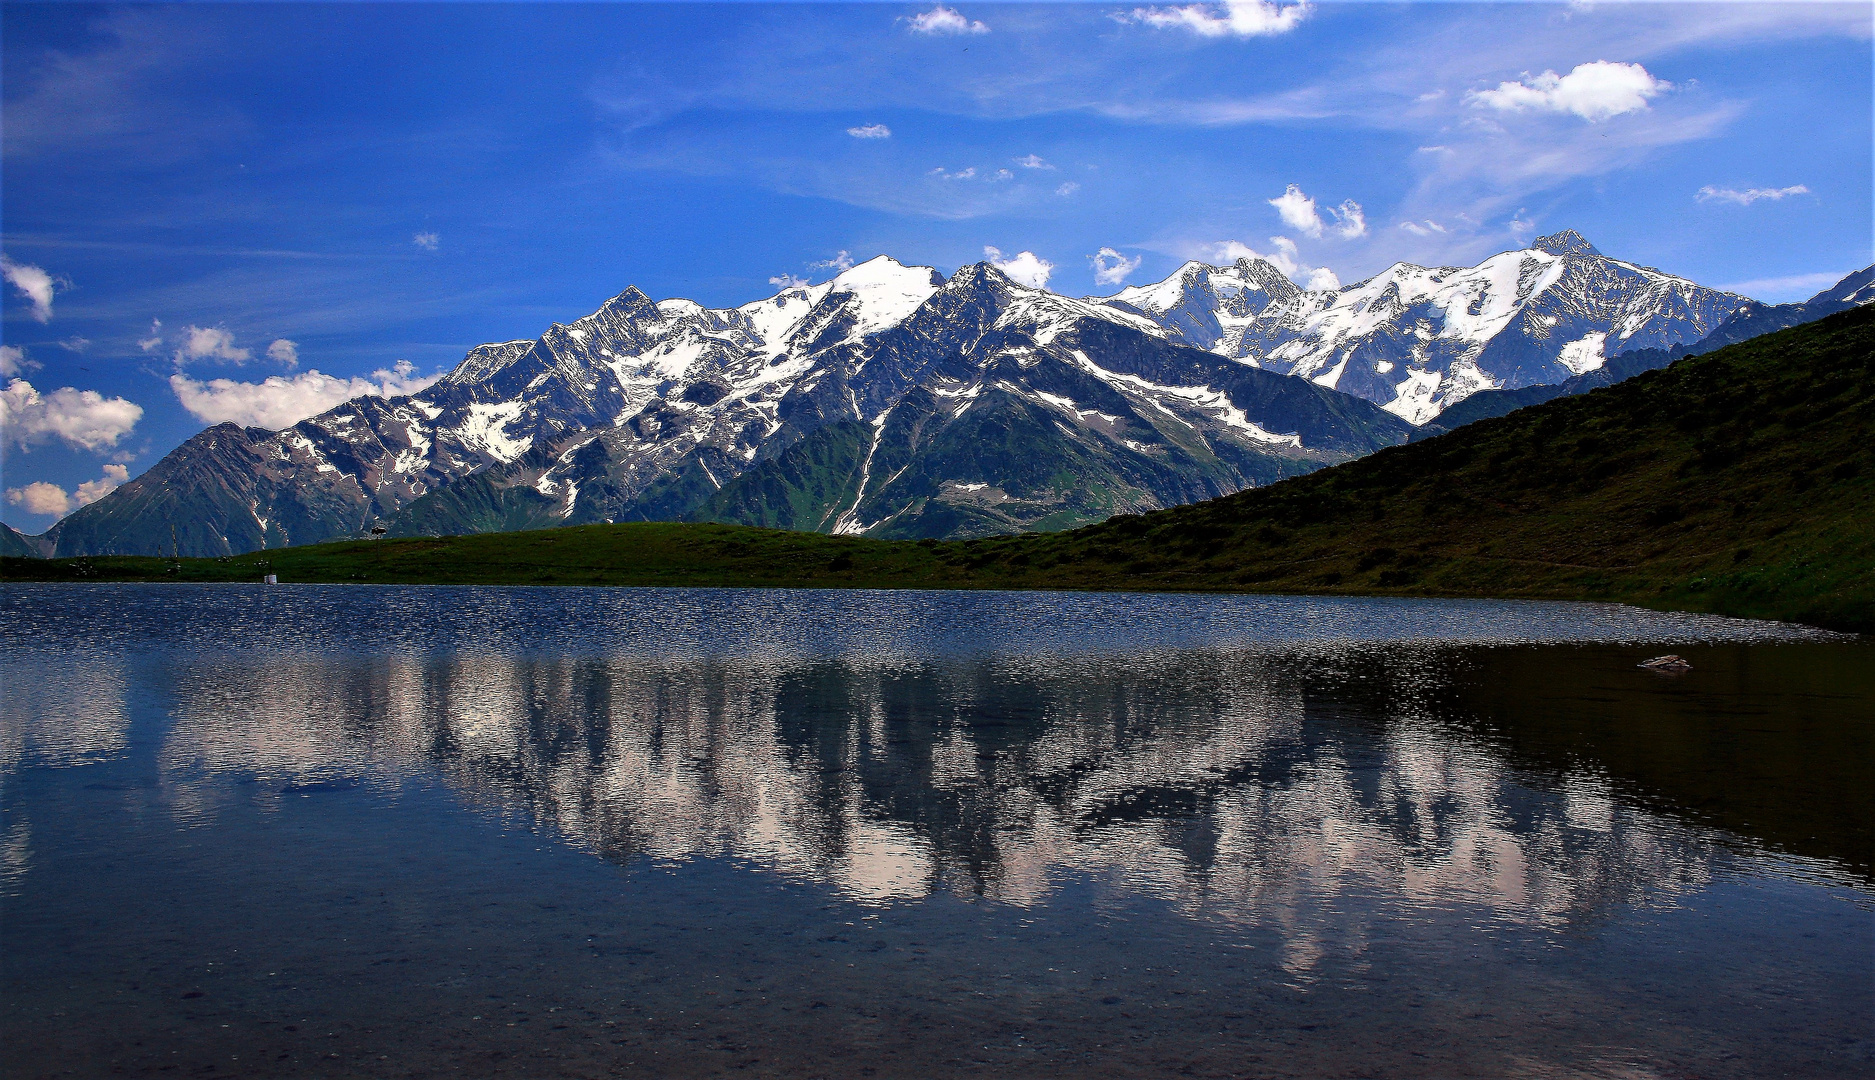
x: 1584, y: 354
x: 885, y: 292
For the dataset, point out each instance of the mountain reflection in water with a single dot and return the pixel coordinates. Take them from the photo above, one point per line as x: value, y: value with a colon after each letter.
x: 1333, y: 796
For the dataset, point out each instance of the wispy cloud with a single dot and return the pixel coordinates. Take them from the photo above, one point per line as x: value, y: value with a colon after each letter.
x: 870, y: 131
x: 1033, y: 161
x: 1749, y: 195
x: 1594, y: 91
x: 82, y: 419
x: 428, y: 241
x: 1780, y: 290
x: 943, y: 20
x: 786, y: 281
x: 13, y: 362
x: 33, y: 283
x: 1111, y: 267
x: 1232, y: 18
x: 841, y: 262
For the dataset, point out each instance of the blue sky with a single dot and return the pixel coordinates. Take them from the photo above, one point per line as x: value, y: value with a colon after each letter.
x: 205, y: 205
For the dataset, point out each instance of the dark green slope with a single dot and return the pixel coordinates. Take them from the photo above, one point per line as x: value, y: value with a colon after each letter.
x: 1741, y: 482
x: 14, y: 543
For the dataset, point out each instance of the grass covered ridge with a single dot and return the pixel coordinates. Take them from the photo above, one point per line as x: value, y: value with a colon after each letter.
x: 1741, y: 482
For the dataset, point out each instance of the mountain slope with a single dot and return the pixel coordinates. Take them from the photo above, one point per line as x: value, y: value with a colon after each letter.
x: 1739, y: 482
x: 1852, y: 291
x: 991, y: 407
x: 1417, y: 339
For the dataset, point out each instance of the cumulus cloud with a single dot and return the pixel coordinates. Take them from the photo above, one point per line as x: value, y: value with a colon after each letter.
x: 1024, y: 267
x: 1110, y: 267
x: 943, y: 20
x: 280, y: 402
x: 84, y: 419
x: 1593, y: 91
x: 209, y: 343
x: 1299, y: 213
x: 41, y: 497
x: 1285, y: 258
x: 1233, y: 18
x: 284, y: 352
x: 841, y: 262
x: 1067, y: 189
x: 870, y: 131
x: 787, y: 281
x: 428, y: 241
x: 1749, y: 195
x: 115, y: 476
x: 13, y: 361
x: 33, y: 283
x: 1033, y: 161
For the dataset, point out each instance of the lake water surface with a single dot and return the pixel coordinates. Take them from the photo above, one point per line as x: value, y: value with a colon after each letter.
x: 389, y: 832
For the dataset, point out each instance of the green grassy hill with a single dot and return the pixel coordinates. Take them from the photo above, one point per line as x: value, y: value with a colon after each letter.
x: 1741, y: 482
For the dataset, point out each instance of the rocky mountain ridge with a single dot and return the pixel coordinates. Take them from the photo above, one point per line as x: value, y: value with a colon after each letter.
x: 892, y: 401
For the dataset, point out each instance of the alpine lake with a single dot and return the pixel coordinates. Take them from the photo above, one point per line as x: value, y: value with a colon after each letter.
x: 356, y: 831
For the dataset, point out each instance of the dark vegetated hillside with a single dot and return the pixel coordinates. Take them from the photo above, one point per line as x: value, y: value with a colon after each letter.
x: 1741, y: 482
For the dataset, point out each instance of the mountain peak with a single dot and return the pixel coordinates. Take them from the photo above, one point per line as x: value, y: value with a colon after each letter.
x: 1567, y: 242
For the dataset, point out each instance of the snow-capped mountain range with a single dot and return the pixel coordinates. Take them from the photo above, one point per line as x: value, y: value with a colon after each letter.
x: 1417, y: 339
x: 892, y: 401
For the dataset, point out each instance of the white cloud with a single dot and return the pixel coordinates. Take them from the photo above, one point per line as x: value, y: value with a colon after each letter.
x: 1024, y: 267
x: 209, y: 343
x: 428, y: 241
x: 40, y: 497
x: 1594, y: 91
x: 75, y: 343
x: 1285, y: 258
x: 787, y: 281
x: 84, y: 419
x: 841, y: 262
x: 870, y: 131
x: 943, y: 20
x: 284, y: 352
x: 155, y: 340
x: 33, y: 283
x: 1233, y: 18
x: 1033, y: 161
x: 965, y: 174
x: 92, y: 490
x: 1749, y: 195
x: 280, y: 402
x: 1522, y: 225
x: 1422, y: 228
x: 1068, y: 188
x: 13, y: 361
x: 1110, y: 267
x: 1298, y: 212
x: 1000, y: 175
